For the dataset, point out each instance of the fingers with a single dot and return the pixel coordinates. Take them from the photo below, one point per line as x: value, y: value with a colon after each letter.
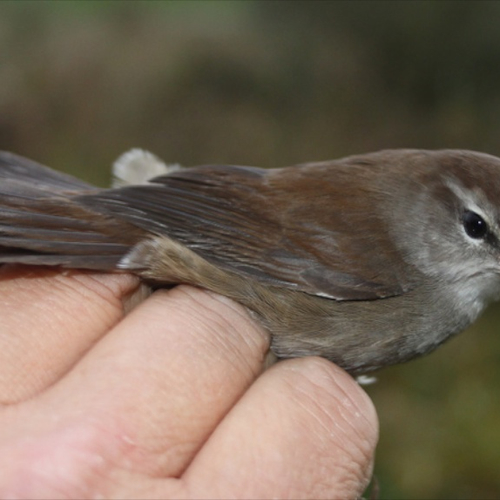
x: 49, y: 319
x: 149, y: 394
x: 168, y: 393
x: 305, y: 429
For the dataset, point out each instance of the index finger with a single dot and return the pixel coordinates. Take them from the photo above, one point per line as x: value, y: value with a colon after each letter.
x: 49, y: 319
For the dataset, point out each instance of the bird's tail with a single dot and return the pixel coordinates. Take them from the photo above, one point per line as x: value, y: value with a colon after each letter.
x: 42, y: 223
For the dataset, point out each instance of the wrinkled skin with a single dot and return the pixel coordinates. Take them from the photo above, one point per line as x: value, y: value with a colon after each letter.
x: 169, y: 401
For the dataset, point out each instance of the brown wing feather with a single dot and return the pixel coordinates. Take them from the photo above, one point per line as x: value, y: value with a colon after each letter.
x: 279, y: 226
x: 299, y: 227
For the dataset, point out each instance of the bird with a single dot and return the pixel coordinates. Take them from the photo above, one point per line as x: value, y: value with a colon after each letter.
x: 368, y: 261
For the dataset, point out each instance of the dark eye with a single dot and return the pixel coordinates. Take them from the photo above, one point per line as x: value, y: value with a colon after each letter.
x: 474, y: 225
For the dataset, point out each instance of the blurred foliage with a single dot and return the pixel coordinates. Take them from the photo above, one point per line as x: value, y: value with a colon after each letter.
x: 270, y: 84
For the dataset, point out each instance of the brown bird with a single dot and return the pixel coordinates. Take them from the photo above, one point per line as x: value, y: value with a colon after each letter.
x: 368, y: 261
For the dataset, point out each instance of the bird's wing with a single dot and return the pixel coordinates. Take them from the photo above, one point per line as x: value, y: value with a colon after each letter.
x: 297, y: 227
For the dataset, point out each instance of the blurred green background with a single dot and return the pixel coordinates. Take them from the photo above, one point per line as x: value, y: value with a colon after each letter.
x: 272, y: 84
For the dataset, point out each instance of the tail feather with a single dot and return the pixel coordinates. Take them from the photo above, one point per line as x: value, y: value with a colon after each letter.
x: 41, y: 224
x: 34, y: 176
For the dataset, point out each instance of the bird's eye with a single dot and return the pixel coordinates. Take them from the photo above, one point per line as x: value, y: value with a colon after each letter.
x: 475, y: 226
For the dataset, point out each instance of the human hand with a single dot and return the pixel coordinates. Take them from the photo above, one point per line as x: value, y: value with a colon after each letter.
x: 167, y: 402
